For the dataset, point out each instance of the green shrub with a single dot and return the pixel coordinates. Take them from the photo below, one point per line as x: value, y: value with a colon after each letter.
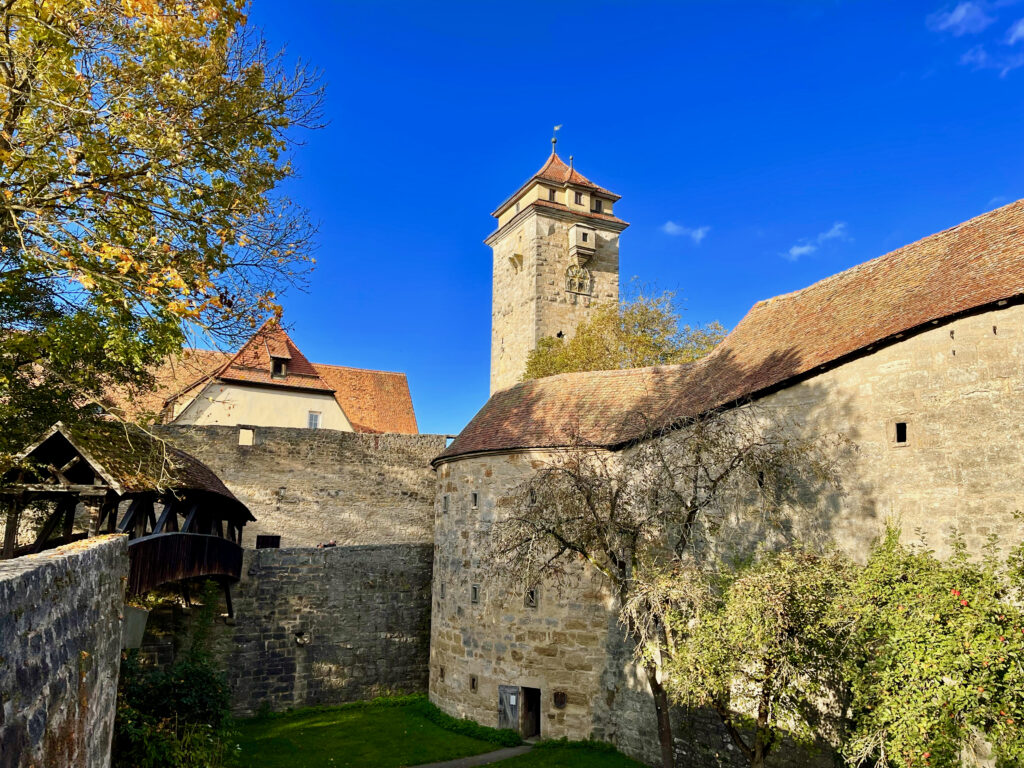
x: 177, y: 717
x: 940, y: 658
x: 502, y: 736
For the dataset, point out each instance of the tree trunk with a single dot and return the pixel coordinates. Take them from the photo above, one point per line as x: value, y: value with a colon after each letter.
x: 661, y: 704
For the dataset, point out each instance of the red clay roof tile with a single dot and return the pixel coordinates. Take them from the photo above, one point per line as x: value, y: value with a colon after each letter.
x: 968, y: 266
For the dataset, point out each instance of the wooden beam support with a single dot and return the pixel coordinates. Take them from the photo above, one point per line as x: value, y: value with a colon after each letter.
x: 129, y: 516
x: 69, y: 518
x: 49, y: 527
x: 94, y: 508
x: 57, y: 490
x: 13, y: 510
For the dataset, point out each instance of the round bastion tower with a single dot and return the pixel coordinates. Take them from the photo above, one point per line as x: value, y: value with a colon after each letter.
x: 556, y: 256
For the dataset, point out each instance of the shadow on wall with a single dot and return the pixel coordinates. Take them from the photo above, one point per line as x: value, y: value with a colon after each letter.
x: 320, y: 626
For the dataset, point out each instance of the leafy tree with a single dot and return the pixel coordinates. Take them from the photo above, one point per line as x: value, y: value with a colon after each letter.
x: 633, y: 334
x: 765, y: 642
x: 141, y: 144
x: 649, y: 509
x: 940, y: 668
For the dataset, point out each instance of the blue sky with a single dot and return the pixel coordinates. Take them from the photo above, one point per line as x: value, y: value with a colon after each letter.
x: 757, y: 148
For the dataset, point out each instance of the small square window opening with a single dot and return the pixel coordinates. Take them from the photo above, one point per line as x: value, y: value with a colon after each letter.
x: 598, y: 206
x: 278, y: 368
x: 586, y: 235
x: 551, y: 195
x: 901, y: 432
x: 474, y: 593
x: 472, y: 683
x: 579, y: 198
x: 314, y: 420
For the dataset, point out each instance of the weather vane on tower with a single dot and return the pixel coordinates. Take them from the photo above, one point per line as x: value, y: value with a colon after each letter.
x: 554, y: 137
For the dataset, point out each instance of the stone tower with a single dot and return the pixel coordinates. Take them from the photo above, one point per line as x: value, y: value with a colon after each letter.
x: 556, y: 256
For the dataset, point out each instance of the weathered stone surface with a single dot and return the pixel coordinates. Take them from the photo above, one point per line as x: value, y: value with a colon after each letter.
x: 316, y: 485
x: 958, y: 389
x: 326, y: 626
x: 60, y: 643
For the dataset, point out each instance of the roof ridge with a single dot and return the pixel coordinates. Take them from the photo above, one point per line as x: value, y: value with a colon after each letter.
x: 888, y: 255
x: 356, y: 368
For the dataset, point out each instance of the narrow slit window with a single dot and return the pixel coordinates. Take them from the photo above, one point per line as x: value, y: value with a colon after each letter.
x: 901, y: 432
x: 444, y: 504
x: 472, y: 683
x: 440, y: 674
x: 440, y: 590
x: 474, y: 593
x: 475, y: 499
x: 530, y: 600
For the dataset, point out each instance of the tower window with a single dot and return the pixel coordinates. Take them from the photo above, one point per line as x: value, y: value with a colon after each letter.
x: 530, y: 600
x: 579, y: 198
x: 585, y: 236
x: 901, y: 432
x: 597, y: 206
x: 440, y: 590
x: 440, y: 674
x: 577, y: 279
x: 475, y: 499
x: 474, y: 593
x: 444, y: 504
x: 313, y: 421
x: 278, y: 368
x: 472, y: 683
x: 551, y: 195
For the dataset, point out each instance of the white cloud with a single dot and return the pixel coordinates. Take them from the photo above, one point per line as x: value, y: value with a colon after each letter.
x: 967, y: 18
x: 678, y: 230
x: 797, y: 251
x: 807, y: 246
x: 1016, y: 32
x: 979, y: 58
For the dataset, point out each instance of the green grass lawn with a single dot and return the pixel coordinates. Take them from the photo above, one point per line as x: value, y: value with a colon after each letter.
x: 372, y: 736
x: 561, y: 755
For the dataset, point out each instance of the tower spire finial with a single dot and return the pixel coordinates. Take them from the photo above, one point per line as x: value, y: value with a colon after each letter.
x: 554, y: 137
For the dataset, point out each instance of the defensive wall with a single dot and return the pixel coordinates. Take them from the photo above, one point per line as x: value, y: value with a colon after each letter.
x: 311, y: 486
x: 60, y: 621
x: 956, y: 389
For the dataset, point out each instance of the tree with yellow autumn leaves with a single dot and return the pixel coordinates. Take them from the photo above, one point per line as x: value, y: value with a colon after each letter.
x: 142, y: 144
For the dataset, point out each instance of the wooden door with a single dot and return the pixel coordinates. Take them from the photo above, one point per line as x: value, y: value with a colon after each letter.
x: 508, y: 706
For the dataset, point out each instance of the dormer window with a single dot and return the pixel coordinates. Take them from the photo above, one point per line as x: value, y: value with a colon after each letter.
x: 551, y: 195
x: 597, y: 205
x: 579, y: 198
x: 278, y: 367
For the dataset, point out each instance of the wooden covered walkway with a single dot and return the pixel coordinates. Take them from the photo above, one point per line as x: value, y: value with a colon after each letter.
x: 109, y: 477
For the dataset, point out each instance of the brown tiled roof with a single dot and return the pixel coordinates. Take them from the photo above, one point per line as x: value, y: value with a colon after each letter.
x: 137, y: 461
x: 173, y: 377
x: 585, y: 214
x: 252, y: 363
x: 373, y: 401
x: 972, y: 265
x: 557, y: 172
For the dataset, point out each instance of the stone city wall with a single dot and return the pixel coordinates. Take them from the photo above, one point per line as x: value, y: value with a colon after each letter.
x: 326, y: 626
x: 957, y: 387
x: 60, y: 625
x: 311, y: 486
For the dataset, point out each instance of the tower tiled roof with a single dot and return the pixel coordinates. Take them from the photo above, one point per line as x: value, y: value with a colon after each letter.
x: 975, y: 264
x: 557, y: 172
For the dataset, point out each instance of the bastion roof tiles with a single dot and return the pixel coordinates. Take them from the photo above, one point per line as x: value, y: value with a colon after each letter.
x: 557, y: 172
x: 974, y: 264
